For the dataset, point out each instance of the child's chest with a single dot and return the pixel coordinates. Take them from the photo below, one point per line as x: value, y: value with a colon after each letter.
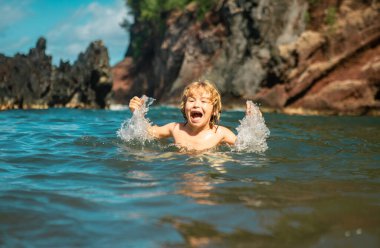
x: 197, y: 142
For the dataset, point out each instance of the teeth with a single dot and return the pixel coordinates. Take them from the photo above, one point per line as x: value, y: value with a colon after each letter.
x: 196, y: 115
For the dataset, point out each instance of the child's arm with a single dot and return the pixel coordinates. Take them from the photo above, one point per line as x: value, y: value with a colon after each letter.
x: 162, y: 132
x: 157, y: 132
x: 228, y: 136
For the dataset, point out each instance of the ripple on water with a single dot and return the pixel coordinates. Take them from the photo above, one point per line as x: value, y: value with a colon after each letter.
x: 76, y: 185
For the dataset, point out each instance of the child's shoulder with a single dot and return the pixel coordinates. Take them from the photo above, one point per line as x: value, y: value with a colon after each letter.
x: 223, y: 129
x: 226, y: 134
x: 173, y: 125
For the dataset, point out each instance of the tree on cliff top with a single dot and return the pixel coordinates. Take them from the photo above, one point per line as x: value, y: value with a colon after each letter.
x: 149, y: 20
x: 155, y: 10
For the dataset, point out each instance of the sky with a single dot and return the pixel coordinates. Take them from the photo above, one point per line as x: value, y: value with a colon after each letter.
x: 69, y: 26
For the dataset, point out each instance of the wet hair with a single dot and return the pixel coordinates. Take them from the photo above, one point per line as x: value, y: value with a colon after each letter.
x: 207, y: 87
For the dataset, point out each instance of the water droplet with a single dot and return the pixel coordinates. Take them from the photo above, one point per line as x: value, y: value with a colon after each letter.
x: 252, y: 132
x: 136, y: 128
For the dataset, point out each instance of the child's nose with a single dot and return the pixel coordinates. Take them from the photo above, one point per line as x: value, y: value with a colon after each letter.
x: 197, y: 103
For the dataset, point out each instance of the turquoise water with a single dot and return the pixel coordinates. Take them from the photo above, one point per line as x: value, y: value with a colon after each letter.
x: 67, y: 180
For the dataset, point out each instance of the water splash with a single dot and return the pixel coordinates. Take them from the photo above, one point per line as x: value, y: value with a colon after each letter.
x: 252, y: 132
x: 136, y: 128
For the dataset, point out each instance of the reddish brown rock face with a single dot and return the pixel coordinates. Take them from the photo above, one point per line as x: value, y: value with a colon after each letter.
x: 337, y: 67
x: 266, y: 51
x: 122, y: 82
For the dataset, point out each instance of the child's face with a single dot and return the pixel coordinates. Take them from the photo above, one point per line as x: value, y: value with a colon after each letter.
x: 199, y: 109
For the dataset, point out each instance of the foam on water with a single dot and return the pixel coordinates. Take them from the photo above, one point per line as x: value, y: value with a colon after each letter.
x: 118, y: 107
x: 251, y: 137
x: 136, y: 128
x: 252, y: 132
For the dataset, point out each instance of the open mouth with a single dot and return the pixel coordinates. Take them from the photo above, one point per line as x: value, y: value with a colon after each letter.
x: 195, y: 115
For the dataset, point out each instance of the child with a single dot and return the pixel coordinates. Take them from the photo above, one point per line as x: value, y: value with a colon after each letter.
x: 201, y: 107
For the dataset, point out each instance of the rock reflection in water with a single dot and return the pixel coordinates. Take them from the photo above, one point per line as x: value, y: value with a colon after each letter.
x: 198, y: 187
x: 312, y: 215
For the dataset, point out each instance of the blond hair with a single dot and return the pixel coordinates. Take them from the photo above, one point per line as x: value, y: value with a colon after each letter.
x: 215, y: 99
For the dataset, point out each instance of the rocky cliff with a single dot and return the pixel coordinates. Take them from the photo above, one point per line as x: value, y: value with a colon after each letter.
x: 298, y: 56
x: 32, y: 81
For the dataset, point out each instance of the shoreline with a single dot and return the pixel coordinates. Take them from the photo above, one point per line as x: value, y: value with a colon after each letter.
x: 232, y: 106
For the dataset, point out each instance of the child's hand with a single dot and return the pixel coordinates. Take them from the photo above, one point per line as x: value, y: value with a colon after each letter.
x: 135, y: 103
x: 252, y: 110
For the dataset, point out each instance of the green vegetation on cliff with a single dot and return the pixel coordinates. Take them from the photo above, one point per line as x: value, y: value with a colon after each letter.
x: 150, y: 16
x: 154, y: 10
x: 321, y: 13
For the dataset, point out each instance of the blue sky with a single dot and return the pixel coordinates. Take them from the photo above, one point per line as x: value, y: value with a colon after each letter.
x: 68, y: 25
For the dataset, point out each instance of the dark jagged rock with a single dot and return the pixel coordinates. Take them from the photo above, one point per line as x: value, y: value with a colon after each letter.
x: 86, y: 83
x: 266, y: 51
x: 31, y: 81
x: 26, y: 79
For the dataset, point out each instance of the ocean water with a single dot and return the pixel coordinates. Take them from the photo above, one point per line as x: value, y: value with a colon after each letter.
x: 68, y: 180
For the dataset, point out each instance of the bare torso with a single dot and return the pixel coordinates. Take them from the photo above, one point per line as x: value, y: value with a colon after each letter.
x: 201, y: 140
